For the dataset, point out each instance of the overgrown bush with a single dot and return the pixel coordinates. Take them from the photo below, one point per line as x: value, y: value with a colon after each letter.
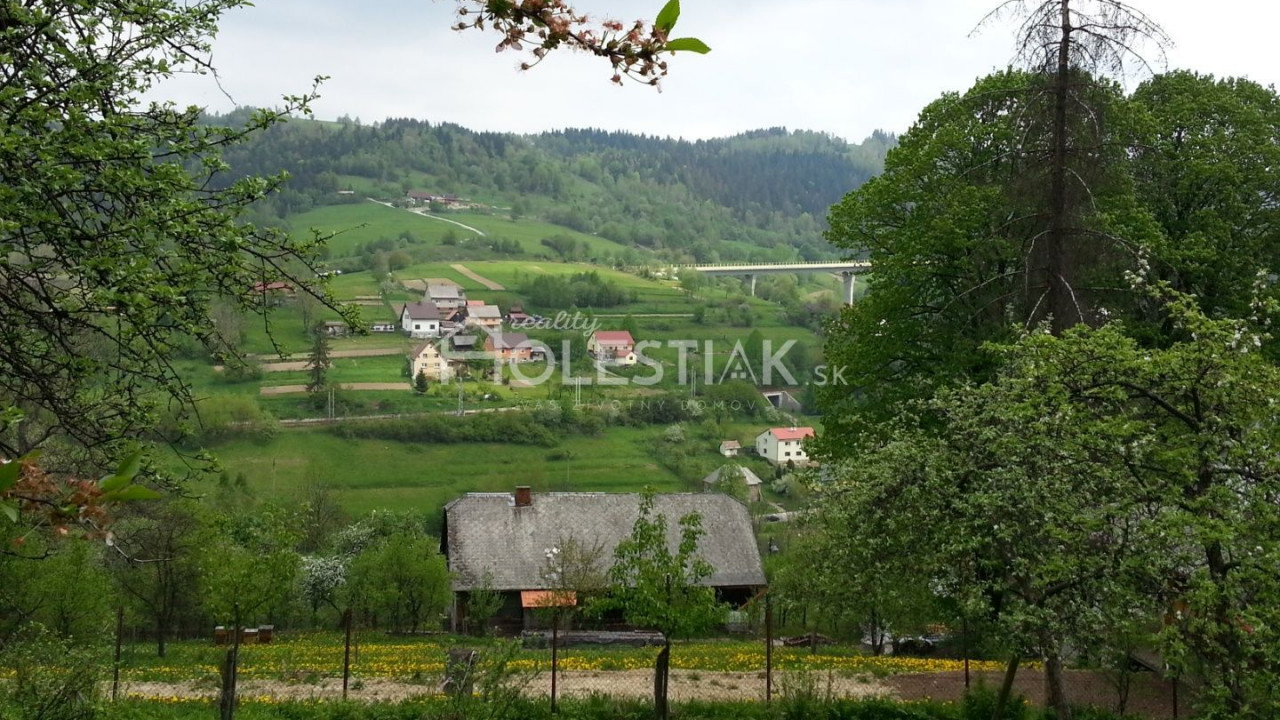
x: 53, y: 679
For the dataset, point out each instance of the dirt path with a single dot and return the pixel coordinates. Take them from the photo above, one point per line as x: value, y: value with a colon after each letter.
x: 291, y: 389
x: 1149, y: 696
x: 478, y: 278
x: 429, y: 216
x: 358, y: 352
x: 685, y: 685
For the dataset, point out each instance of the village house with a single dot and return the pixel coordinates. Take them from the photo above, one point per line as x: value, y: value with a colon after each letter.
x: 739, y: 474
x: 509, y: 347
x: 730, y: 448
x: 426, y: 359
x: 382, y: 327
x: 485, y: 317
x: 615, y: 347
x: 446, y: 296
x: 783, y: 446
x: 501, y: 540
x: 335, y: 328
x: 420, y: 319
x: 517, y: 317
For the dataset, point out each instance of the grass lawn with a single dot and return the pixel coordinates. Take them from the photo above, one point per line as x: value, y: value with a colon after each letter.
x: 369, y: 474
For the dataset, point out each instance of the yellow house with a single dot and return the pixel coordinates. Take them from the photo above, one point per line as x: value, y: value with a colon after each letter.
x: 426, y: 358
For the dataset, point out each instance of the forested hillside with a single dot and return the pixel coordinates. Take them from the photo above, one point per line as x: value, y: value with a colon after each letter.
x: 762, y: 195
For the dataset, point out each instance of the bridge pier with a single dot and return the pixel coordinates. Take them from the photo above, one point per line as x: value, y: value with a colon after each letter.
x: 751, y: 279
x: 850, y: 279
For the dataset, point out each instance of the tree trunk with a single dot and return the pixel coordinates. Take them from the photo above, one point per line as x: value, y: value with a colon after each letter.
x: 1062, y: 302
x: 1055, y: 691
x: 160, y: 647
x: 1006, y: 688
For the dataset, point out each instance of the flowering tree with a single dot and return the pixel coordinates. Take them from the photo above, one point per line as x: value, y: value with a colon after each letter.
x: 634, y: 51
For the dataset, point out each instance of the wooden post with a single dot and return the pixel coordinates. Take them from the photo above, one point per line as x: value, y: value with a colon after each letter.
x: 964, y: 643
x: 555, y: 664
x: 346, y: 654
x: 227, y: 702
x: 115, y: 670
x: 768, y: 649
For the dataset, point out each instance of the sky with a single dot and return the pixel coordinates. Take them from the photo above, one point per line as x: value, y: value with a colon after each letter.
x: 845, y: 67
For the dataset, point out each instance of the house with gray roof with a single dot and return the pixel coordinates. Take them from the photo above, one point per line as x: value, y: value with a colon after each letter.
x: 446, y: 296
x: 501, y: 540
x: 739, y: 473
x: 420, y: 319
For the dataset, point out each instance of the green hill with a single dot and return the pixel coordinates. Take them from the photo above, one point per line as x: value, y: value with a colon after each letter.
x: 758, y: 196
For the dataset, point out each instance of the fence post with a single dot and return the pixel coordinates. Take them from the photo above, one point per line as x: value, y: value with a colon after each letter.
x: 115, y: 670
x: 227, y: 702
x: 964, y: 643
x: 555, y: 659
x: 768, y: 649
x: 346, y: 653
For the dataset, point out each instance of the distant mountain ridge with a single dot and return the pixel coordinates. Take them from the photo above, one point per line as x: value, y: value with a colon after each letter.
x: 760, y: 195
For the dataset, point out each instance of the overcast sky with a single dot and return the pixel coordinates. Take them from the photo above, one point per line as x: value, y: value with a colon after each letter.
x: 842, y: 66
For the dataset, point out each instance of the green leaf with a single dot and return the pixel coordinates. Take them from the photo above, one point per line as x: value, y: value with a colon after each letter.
x: 9, y: 473
x: 129, y: 468
x: 10, y: 510
x: 113, y: 483
x: 133, y: 492
x: 668, y: 16
x: 688, y: 45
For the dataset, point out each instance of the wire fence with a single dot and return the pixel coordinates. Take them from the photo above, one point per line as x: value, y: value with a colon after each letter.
x: 559, y: 663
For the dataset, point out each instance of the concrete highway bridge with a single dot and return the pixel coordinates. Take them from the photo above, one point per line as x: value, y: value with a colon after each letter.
x: 847, y: 270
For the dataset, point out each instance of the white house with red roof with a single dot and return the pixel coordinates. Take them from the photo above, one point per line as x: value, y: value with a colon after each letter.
x: 615, y: 347
x: 782, y: 445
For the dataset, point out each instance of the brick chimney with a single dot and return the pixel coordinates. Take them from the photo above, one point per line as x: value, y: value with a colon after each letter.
x: 524, y: 496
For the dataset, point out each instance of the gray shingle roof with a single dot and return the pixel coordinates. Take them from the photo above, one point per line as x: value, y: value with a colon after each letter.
x: 422, y: 310
x: 750, y: 477
x: 441, y: 291
x: 486, y: 532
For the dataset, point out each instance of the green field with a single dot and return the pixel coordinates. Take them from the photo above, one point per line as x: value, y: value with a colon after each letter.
x: 368, y: 475
x: 352, y: 225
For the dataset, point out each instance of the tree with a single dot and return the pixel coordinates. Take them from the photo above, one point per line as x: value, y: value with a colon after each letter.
x: 658, y: 589
x: 318, y: 362
x: 120, y: 231
x: 1091, y: 482
x: 420, y: 382
x: 156, y: 566
x: 949, y: 231
x: 1205, y: 171
x: 406, y: 580
x: 1068, y: 44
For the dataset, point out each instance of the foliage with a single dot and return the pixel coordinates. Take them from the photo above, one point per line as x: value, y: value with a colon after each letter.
x: 585, y: 289
x: 53, y: 679
x: 320, y: 579
x: 656, y: 588
x: 483, y: 603
x: 404, y: 581
x: 120, y: 231
x: 156, y: 568
x: 1093, y: 481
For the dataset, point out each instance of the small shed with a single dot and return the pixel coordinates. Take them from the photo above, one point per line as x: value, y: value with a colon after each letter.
x: 730, y: 448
